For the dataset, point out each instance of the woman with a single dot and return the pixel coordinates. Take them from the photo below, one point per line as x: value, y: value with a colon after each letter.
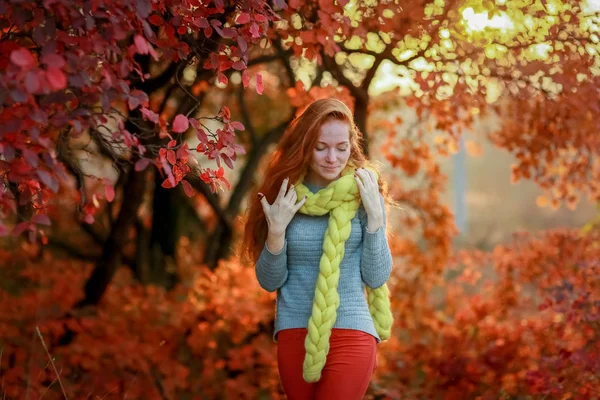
x: 316, y: 233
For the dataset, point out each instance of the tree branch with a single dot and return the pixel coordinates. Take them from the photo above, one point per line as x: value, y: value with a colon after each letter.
x: 270, y: 57
x: 254, y: 157
x: 152, y: 84
x: 246, y: 115
x: 386, y: 54
x: 72, y: 250
x: 359, y: 51
x: 338, y: 74
x: 285, y: 60
x: 203, y: 188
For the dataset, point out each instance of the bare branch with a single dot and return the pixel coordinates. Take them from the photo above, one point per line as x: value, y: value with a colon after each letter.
x: 37, y: 328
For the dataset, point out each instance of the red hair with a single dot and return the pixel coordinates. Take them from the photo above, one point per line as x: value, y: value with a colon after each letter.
x: 291, y: 159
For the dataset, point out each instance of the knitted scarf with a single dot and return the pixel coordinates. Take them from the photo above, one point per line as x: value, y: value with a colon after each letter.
x: 341, y: 200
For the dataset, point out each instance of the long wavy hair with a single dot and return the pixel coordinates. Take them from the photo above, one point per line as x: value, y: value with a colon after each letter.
x: 291, y: 159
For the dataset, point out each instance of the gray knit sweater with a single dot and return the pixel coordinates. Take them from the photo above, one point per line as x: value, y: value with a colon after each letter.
x: 293, y: 271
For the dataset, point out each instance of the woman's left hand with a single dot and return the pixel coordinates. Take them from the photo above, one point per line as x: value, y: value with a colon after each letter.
x: 369, y: 192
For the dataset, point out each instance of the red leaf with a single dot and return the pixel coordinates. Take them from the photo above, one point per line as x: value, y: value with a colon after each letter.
x: 259, y: 84
x: 31, y: 157
x: 32, y: 81
x: 171, y: 157
x: 202, y: 136
x: 245, y: 78
x: 20, y: 228
x: 226, y: 183
x: 237, y: 149
x: 227, y: 160
x: 140, y: 44
x: 110, y: 193
x: 149, y: 114
x: 187, y: 188
x: 281, y: 4
x: 141, y: 164
x: 201, y: 22
x: 238, y: 125
x: 226, y: 113
x: 223, y: 79
x: 53, y: 60
x: 168, y: 183
x: 243, y: 18
x: 162, y: 153
x: 242, y: 43
x: 156, y: 20
x: 172, y: 143
x: 260, y: 18
x: 225, y: 65
x: 177, y: 173
x: 56, y: 78
x: 23, y: 58
x: 48, y: 180
x: 180, y: 124
x: 239, y: 65
x: 41, y: 219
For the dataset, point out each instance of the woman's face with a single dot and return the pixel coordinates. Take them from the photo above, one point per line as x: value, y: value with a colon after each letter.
x: 331, y: 153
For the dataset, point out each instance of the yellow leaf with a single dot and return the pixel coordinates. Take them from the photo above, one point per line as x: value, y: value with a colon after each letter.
x: 473, y: 148
x: 452, y: 147
x: 542, y: 201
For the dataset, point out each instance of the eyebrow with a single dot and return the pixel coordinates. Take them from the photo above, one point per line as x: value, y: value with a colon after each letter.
x: 345, y: 142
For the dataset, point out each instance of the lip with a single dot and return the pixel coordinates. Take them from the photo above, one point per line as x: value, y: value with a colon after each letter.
x: 330, y: 168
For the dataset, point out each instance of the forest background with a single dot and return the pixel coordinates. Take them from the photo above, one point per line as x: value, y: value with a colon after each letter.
x: 133, y: 132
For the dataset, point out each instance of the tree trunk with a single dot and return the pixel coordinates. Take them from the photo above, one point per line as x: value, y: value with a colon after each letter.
x: 110, y: 259
x: 141, y: 270
x: 360, y: 118
x: 164, y: 235
x: 219, y: 244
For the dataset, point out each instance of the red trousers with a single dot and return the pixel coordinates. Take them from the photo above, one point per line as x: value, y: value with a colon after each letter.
x: 351, y: 360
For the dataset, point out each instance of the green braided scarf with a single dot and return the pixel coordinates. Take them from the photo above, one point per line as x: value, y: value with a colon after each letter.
x: 341, y: 199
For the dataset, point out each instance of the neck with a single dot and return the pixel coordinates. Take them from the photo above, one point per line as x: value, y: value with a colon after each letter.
x: 319, y: 181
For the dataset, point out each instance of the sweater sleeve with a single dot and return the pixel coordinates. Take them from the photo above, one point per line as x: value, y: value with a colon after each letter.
x: 376, y: 257
x: 271, y: 269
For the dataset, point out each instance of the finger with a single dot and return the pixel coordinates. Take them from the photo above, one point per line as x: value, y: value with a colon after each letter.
x: 357, y: 173
x: 301, y: 203
x: 363, y: 177
x: 359, y: 183
x: 264, y: 203
x: 291, y: 191
x: 283, y: 189
x: 368, y: 175
x: 294, y: 196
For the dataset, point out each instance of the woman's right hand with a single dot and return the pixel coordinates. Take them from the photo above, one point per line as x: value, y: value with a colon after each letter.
x: 280, y: 213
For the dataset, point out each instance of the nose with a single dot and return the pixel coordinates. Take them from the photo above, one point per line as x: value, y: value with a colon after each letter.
x: 330, y: 156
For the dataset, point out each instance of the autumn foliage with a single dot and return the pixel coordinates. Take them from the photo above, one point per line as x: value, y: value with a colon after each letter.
x: 137, y: 82
x: 532, y: 329
x: 69, y: 68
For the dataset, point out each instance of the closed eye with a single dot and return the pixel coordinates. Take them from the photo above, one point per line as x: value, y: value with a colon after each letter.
x: 325, y: 148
